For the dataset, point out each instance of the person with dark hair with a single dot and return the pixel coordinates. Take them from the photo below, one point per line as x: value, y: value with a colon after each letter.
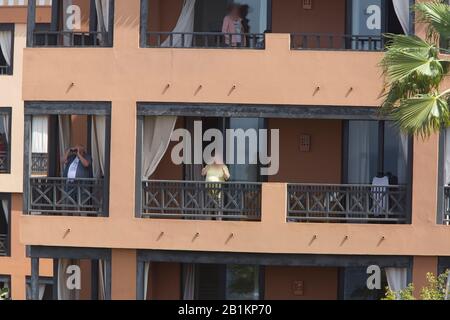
x: 233, y: 27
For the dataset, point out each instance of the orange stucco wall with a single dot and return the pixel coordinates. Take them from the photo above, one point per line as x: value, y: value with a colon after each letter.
x: 288, y: 16
x: 421, y: 267
x: 18, y: 14
x: 164, y: 281
x: 322, y: 164
x: 126, y: 74
x: 318, y: 283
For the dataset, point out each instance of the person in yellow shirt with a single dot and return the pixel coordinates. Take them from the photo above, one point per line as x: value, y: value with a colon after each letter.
x: 216, y: 172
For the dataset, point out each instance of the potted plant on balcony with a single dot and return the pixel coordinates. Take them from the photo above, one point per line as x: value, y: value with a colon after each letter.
x: 415, y: 69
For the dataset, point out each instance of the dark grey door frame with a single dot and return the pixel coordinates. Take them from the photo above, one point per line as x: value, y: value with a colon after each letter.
x: 36, y: 108
x: 35, y: 253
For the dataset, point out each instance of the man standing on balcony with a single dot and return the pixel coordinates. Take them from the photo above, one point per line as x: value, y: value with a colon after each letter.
x: 77, y: 163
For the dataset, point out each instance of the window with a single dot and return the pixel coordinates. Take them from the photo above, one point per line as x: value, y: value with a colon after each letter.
x: 5, y: 218
x: 45, y: 288
x: 224, y: 282
x: 373, y: 149
x: 201, y: 23
x: 75, y: 23
x: 6, y: 49
x: 5, y: 287
x: 5, y: 138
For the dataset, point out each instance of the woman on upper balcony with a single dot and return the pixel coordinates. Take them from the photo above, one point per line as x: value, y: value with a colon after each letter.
x: 233, y: 27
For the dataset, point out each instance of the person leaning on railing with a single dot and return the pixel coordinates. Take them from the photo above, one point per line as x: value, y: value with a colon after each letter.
x: 232, y: 24
x: 216, y: 172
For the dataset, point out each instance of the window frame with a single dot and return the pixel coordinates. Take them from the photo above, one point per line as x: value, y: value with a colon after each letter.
x: 9, y: 27
x: 8, y: 112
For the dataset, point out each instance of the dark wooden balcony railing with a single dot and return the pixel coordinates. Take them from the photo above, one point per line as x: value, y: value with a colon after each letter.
x: 347, y: 203
x: 39, y: 163
x: 4, y: 163
x: 70, y: 39
x: 321, y: 41
x: 216, y: 40
x: 67, y: 197
x: 446, y: 213
x: 201, y: 200
x: 3, y: 245
x: 5, y: 70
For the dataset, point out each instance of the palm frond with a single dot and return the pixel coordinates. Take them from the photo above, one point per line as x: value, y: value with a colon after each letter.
x: 437, y: 15
x: 424, y: 114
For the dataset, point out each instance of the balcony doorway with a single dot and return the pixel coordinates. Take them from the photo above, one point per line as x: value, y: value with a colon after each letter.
x: 67, y: 161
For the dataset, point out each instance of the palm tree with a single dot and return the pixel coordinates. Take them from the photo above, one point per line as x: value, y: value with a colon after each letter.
x: 415, y: 70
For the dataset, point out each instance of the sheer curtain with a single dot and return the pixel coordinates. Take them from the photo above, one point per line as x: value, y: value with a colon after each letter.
x: 146, y: 275
x: 156, y: 139
x: 102, y: 279
x: 185, y: 24
x: 98, y: 141
x: 402, y: 9
x: 5, y: 123
x: 5, y: 45
x: 42, y: 288
x: 102, y: 8
x: 64, y: 124
x: 39, y: 135
x: 447, y: 158
x: 189, y: 281
x: 397, y: 279
x: 5, y: 208
x: 402, y: 166
x: 64, y: 293
x: 359, y: 158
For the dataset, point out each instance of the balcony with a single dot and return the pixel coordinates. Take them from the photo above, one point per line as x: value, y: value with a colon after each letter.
x: 344, y: 25
x: 372, y: 188
x: 83, y: 24
x: 347, y: 203
x: 67, y: 166
x: 201, y: 201
x: 63, y: 196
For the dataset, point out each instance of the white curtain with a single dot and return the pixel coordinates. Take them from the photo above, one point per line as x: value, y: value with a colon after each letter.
x: 185, y: 24
x: 397, y: 279
x: 447, y: 158
x: 5, y: 123
x: 39, y: 135
x: 189, y: 282
x: 359, y: 153
x: 64, y: 293
x: 146, y: 274
x: 155, y: 140
x: 5, y: 45
x: 98, y: 140
x: 102, y: 279
x: 402, y: 161
x: 42, y: 288
x: 402, y: 9
x: 5, y: 210
x: 64, y: 123
x: 102, y: 8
